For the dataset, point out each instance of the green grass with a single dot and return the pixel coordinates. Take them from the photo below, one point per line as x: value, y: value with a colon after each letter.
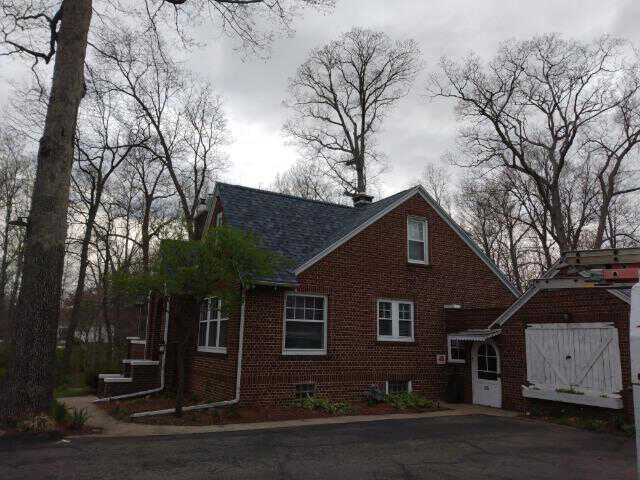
x: 71, y: 391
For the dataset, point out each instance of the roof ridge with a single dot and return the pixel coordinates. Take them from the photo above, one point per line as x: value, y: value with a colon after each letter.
x: 288, y: 195
x: 296, y: 197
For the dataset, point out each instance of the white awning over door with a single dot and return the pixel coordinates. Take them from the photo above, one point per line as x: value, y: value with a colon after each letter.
x: 474, y: 335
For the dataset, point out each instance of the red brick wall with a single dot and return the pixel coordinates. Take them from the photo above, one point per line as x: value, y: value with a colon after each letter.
x: 370, y: 266
x: 135, y: 350
x: 212, y: 376
x: 549, y: 306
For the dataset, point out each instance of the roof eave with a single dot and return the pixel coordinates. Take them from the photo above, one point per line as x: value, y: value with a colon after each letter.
x: 268, y: 283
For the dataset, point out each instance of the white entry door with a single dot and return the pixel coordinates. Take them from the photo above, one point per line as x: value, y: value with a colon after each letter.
x: 487, y: 386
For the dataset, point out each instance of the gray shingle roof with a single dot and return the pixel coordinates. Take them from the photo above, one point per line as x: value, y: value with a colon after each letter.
x: 626, y: 292
x: 294, y: 227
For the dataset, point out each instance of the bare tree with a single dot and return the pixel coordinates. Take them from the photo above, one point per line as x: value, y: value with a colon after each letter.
x: 153, y: 196
x: 539, y: 108
x: 185, y: 117
x: 15, y: 182
x: 339, y: 98
x: 41, y: 32
x: 496, y: 218
x: 102, y: 145
x: 307, y: 179
x: 437, y: 182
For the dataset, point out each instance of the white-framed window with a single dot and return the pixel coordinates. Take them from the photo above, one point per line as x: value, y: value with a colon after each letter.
x: 395, y: 320
x: 457, y: 351
x: 417, y: 248
x: 212, y: 331
x: 305, y: 325
x: 394, y: 387
x: 218, y: 219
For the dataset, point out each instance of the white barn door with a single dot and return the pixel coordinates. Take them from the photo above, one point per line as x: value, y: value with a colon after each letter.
x: 574, y: 357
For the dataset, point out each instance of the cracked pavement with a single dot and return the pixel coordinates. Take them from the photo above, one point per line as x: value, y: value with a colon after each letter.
x: 469, y: 447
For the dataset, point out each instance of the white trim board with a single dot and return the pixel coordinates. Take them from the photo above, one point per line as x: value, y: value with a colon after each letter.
x: 511, y: 311
x: 134, y: 361
x: 605, y: 401
x: 117, y: 380
x: 447, y: 219
x: 617, y: 293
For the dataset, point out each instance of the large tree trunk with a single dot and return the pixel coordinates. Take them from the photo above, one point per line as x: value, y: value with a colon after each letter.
x: 28, y: 386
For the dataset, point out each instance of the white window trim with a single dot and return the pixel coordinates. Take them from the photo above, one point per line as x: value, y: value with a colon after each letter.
x: 425, y: 229
x: 206, y: 348
x: 450, y: 359
x: 409, y: 387
x: 218, y: 221
x: 304, y: 351
x: 395, y: 321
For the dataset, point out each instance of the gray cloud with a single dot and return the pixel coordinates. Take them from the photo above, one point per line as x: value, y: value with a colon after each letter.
x: 418, y: 131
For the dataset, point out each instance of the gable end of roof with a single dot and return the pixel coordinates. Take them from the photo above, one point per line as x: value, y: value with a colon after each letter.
x: 438, y: 209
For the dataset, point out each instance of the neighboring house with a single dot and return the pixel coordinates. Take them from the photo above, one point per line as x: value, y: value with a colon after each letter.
x: 565, y: 340
x: 362, y: 304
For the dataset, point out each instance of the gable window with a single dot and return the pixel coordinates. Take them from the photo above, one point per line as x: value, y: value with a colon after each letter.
x: 457, y: 352
x: 305, y: 325
x: 417, y: 240
x: 212, y: 331
x: 395, y: 320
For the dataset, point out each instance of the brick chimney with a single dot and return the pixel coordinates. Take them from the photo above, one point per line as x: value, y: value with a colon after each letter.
x: 361, y: 199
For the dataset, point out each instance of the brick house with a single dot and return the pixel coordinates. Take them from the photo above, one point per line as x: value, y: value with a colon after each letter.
x: 365, y: 302
x: 565, y: 340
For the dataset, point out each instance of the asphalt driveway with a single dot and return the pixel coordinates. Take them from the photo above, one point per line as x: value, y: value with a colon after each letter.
x: 471, y: 447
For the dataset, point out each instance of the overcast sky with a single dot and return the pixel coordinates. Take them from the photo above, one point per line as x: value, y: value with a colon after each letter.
x: 418, y: 131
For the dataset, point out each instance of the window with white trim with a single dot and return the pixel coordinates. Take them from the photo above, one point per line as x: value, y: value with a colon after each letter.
x: 212, y: 331
x: 218, y: 219
x: 457, y: 351
x: 395, y: 320
x: 417, y: 240
x: 305, y: 325
x: 395, y: 387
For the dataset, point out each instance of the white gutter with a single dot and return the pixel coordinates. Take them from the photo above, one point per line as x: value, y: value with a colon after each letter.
x: 224, y: 403
x: 164, y: 358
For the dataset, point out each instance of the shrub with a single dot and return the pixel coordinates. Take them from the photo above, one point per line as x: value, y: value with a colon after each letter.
x: 374, y: 395
x: 59, y: 412
x: 78, y: 418
x: 408, y: 400
x: 119, y: 411
x: 324, y: 405
x: 37, y: 424
x: 628, y: 429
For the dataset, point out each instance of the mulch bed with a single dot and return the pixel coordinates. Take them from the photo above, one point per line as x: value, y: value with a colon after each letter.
x: 593, y: 425
x: 230, y: 415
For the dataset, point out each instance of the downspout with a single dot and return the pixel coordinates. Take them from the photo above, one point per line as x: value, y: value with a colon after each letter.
x: 224, y: 403
x: 162, y: 365
x: 146, y: 326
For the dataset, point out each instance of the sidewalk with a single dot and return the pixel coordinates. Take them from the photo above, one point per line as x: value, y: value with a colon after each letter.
x: 112, y: 427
